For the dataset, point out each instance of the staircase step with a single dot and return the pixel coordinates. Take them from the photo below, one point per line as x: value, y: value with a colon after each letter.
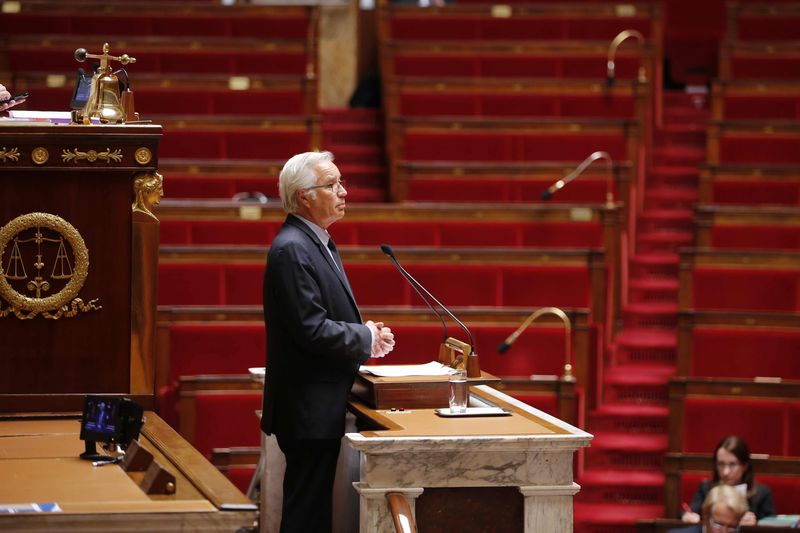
x: 667, y: 214
x: 351, y: 115
x: 629, y: 487
x: 628, y: 418
x: 639, y: 384
x: 642, y: 290
x: 656, y: 265
x: 682, y: 134
x: 670, y: 197
x: 649, y: 374
x: 352, y: 134
x: 347, y: 154
x: 611, y: 518
x: 647, y: 338
x: 363, y: 175
x: 688, y: 194
x: 666, y: 220
x: 650, y: 315
x: 627, y: 442
x: 679, y: 155
x: 663, y: 241
x: 366, y: 194
x: 626, y: 452
x: 671, y: 175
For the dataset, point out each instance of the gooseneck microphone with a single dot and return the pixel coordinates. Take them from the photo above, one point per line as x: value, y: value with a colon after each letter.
x: 594, y: 156
x: 385, y: 248
x: 506, y: 344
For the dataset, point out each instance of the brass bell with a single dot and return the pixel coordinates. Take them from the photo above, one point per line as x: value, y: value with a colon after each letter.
x: 104, y: 101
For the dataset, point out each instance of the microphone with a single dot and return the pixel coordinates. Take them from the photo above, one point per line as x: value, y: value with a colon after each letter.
x: 506, y: 344
x: 414, y: 284
x: 594, y: 156
x: 417, y: 287
x: 551, y: 190
x: 612, y: 52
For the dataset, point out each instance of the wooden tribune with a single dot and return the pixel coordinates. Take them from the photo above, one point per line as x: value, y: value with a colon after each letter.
x: 76, y: 184
x: 78, y: 266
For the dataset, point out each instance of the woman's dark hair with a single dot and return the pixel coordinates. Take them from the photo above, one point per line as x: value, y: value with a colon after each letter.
x: 737, y: 447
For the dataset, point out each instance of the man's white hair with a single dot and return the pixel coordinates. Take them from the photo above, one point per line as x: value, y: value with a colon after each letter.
x: 299, y: 172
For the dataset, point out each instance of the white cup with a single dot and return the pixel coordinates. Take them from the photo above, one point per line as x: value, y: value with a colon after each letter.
x: 459, y: 391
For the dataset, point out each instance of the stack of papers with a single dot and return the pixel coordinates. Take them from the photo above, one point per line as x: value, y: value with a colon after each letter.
x: 428, y: 369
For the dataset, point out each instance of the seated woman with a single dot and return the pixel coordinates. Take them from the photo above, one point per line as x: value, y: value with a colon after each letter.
x: 732, y: 466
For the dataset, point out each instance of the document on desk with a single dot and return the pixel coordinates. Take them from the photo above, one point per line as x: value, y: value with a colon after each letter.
x: 394, y: 371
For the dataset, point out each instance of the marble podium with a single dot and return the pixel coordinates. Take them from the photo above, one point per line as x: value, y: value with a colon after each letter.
x: 514, y: 472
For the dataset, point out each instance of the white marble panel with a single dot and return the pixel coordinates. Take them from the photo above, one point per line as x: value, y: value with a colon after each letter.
x: 549, y: 508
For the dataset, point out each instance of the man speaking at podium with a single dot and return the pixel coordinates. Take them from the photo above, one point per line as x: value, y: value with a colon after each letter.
x: 316, y: 340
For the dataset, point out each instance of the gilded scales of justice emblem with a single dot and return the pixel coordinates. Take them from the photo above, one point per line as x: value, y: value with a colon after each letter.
x: 43, y: 266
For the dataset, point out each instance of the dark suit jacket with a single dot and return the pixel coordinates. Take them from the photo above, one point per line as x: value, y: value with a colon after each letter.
x: 315, y: 338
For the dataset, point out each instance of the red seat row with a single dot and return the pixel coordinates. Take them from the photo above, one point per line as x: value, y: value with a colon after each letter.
x: 768, y: 425
x: 756, y: 289
x: 231, y: 283
x: 403, y: 233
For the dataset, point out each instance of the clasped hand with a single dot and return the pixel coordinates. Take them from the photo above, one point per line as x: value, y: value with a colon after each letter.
x: 382, y: 339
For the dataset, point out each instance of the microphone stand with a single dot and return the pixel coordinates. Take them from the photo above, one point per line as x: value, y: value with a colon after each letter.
x: 506, y: 344
x: 450, y: 345
x: 594, y: 156
x: 612, y: 52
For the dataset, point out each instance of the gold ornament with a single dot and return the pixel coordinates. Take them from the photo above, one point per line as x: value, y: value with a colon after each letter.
x: 29, y: 231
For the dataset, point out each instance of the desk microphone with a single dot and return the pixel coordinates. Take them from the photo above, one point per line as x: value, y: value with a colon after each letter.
x: 385, y: 248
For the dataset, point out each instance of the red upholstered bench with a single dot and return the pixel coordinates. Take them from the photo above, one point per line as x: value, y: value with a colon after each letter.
x: 775, y: 289
x: 756, y: 147
x: 232, y: 143
x: 218, y: 231
x: 761, y: 107
x: 409, y: 26
x: 514, y: 105
x: 756, y: 237
x: 221, y: 419
x: 399, y: 233
x: 188, y: 62
x: 192, y: 349
x: 756, y: 192
x: 503, y: 145
x: 497, y: 190
x: 762, y: 422
x: 215, y: 348
x: 509, y: 285
x: 589, y: 66
x: 745, y: 353
x: 136, y: 20
x: 239, y: 284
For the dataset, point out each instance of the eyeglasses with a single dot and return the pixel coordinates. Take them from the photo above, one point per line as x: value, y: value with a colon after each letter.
x: 722, y: 528
x: 334, y: 187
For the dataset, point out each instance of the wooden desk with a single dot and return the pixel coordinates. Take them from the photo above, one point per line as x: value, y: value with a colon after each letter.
x: 514, y: 471
x: 40, y: 454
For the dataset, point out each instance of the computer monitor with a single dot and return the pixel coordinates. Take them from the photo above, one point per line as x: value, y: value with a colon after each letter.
x: 109, y: 419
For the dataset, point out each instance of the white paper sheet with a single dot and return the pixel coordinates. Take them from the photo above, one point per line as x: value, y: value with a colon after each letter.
x: 428, y: 369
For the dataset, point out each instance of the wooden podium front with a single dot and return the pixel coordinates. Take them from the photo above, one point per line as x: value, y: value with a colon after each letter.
x: 73, y: 186
x: 78, y: 286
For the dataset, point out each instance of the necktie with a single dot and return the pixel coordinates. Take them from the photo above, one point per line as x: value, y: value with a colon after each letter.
x: 335, y: 253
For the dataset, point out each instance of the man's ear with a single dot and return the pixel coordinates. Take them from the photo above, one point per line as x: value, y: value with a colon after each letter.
x: 302, y: 199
